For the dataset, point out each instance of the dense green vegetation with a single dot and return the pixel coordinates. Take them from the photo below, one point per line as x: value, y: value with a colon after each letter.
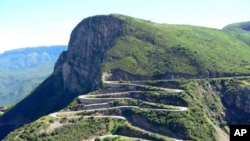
x: 78, y: 128
x: 24, y: 69
x: 240, y: 31
x: 152, y: 49
x: 65, y: 129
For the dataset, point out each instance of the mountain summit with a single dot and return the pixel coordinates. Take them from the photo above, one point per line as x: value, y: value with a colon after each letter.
x: 128, y: 49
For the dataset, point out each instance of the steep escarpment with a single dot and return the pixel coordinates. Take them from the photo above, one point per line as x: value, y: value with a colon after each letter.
x: 226, y: 100
x: 77, y: 71
x: 236, y: 101
x: 81, y: 64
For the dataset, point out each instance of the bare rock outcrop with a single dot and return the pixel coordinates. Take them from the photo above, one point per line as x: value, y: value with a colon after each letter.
x: 238, y: 106
x: 80, y: 66
x: 77, y: 71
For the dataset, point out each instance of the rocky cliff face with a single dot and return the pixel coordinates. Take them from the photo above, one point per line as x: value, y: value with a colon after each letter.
x: 77, y: 71
x: 81, y: 64
x: 234, y: 95
x: 238, y: 106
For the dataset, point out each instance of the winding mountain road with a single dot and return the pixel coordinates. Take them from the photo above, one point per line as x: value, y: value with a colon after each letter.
x: 100, y: 102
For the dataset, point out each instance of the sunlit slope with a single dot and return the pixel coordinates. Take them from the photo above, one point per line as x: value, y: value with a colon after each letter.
x: 152, y: 49
x: 240, y: 31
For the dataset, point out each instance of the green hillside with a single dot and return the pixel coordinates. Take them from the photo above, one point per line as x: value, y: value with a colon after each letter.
x: 240, y: 31
x: 134, y: 79
x: 152, y: 49
x: 205, y: 118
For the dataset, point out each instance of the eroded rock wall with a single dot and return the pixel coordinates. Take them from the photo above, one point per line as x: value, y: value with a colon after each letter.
x: 81, y: 64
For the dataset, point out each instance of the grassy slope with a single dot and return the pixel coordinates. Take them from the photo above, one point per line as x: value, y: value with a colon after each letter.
x: 240, y: 31
x: 75, y: 129
x: 154, y: 49
x: 64, y: 129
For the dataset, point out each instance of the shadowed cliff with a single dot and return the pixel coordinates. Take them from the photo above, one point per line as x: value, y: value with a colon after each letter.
x: 77, y: 71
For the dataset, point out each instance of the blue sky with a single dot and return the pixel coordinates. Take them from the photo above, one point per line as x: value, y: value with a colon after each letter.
x: 28, y: 23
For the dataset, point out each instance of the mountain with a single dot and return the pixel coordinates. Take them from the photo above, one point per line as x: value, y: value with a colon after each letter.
x: 240, y: 31
x: 142, y: 80
x: 24, y: 69
x: 23, y: 58
x: 242, y: 26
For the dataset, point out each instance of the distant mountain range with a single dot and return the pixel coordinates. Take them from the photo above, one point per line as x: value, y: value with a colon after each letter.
x: 21, y: 70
